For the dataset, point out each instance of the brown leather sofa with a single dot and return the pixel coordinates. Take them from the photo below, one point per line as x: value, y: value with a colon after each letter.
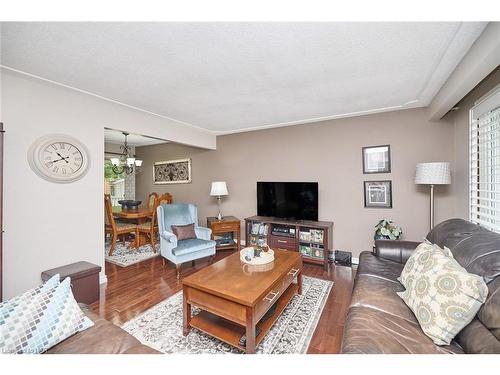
x: 378, y: 321
x: 102, y: 338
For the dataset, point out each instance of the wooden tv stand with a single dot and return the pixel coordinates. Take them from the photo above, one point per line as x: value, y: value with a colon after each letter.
x: 305, y: 237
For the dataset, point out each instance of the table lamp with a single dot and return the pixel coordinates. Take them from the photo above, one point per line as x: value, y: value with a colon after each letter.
x: 437, y: 173
x: 219, y: 189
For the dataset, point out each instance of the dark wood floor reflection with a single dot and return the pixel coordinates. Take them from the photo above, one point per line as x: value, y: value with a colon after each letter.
x: 134, y: 289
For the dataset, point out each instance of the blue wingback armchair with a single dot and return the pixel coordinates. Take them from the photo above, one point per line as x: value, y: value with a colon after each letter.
x: 179, y: 252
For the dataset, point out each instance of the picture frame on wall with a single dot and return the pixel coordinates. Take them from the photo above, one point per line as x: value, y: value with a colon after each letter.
x: 378, y: 194
x: 376, y: 159
x: 172, y: 172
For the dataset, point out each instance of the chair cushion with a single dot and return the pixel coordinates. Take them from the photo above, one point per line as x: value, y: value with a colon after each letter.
x: 192, y: 245
x: 125, y: 226
x: 146, y: 225
x: 184, y: 232
x: 442, y: 294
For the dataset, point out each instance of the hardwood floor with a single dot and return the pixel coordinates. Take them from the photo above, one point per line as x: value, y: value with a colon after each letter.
x: 134, y: 289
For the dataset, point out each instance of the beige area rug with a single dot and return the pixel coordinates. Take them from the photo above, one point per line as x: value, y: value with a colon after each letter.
x: 161, y: 326
x: 124, y: 256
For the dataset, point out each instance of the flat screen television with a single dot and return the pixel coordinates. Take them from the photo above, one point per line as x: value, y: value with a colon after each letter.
x: 288, y: 200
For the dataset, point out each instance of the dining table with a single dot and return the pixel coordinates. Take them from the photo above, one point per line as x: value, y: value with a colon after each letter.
x: 137, y: 216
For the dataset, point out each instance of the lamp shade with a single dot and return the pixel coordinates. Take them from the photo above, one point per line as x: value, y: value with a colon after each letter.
x: 219, y: 188
x: 437, y: 173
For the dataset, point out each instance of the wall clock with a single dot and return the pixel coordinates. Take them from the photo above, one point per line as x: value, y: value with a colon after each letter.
x: 59, y: 158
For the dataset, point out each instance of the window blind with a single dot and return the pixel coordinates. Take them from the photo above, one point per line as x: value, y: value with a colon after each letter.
x: 484, y: 159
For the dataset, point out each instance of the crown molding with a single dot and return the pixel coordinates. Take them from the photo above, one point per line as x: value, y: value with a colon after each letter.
x: 103, y: 98
x: 407, y: 105
x: 410, y: 104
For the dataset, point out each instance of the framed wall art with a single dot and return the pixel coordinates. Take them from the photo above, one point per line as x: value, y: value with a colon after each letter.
x: 377, y: 159
x: 172, y: 172
x: 378, y: 194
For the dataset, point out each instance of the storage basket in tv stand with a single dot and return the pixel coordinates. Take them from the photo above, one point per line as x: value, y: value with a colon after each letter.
x: 305, y: 238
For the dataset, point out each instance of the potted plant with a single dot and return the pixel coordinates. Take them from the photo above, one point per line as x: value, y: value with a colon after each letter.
x: 387, y: 230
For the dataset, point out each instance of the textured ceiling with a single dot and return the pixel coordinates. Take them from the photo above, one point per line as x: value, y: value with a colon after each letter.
x: 228, y: 77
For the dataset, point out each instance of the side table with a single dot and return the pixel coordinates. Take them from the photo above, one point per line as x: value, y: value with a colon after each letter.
x: 228, y: 224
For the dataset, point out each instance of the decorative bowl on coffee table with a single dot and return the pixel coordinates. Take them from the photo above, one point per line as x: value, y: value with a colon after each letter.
x: 264, y: 258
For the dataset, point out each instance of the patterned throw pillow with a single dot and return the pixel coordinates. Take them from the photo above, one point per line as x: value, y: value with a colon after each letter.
x: 40, y: 321
x: 443, y: 296
x: 413, y: 268
x: 49, y: 284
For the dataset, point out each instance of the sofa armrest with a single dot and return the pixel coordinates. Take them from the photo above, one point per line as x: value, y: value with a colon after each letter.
x: 203, y: 233
x: 395, y: 250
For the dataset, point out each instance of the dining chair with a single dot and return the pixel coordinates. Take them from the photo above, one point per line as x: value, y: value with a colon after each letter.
x: 116, y: 228
x: 165, y: 199
x: 151, y: 227
x: 152, y: 197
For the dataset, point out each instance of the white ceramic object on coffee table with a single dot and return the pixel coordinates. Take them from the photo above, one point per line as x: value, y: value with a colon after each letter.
x: 265, y: 257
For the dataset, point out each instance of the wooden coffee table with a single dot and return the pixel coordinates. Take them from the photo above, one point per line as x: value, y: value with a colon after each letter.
x: 233, y: 297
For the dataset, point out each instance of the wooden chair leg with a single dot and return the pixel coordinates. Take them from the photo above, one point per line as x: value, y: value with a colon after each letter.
x: 152, y: 235
x: 212, y: 258
x: 123, y: 237
x: 178, y: 270
x: 113, y: 243
x: 192, y: 263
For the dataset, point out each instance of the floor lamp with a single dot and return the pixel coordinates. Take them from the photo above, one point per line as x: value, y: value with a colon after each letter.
x: 433, y: 174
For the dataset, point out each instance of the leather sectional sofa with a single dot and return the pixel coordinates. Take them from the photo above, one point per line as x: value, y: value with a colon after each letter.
x: 378, y: 321
x: 102, y: 338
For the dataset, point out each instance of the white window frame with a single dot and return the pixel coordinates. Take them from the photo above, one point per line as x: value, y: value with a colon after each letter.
x: 484, y: 176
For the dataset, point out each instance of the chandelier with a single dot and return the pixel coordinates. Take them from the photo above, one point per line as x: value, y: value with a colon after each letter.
x: 126, y: 162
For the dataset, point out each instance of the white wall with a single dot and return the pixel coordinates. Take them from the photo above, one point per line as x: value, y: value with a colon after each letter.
x: 48, y: 225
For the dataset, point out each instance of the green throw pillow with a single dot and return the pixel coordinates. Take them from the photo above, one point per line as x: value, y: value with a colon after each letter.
x: 443, y: 296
